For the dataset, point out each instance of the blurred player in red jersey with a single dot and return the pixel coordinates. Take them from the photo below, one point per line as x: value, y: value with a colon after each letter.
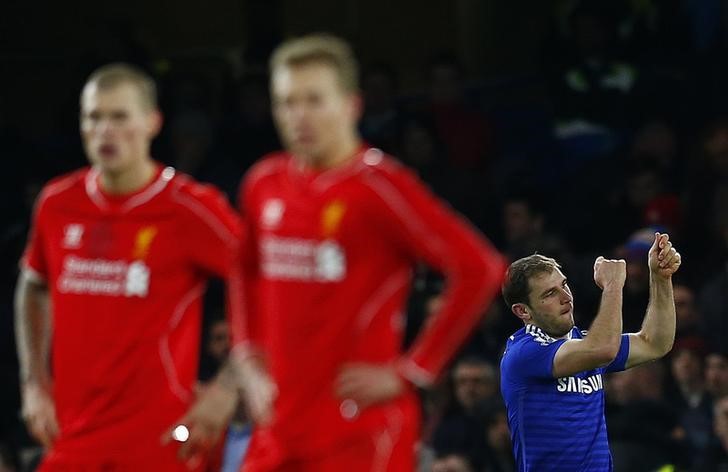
x: 333, y: 229
x: 110, y: 289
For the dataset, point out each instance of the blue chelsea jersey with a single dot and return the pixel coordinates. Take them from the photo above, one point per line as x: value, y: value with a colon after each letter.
x: 557, y: 424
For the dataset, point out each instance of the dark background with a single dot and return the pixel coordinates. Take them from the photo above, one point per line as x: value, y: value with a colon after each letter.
x: 503, y: 68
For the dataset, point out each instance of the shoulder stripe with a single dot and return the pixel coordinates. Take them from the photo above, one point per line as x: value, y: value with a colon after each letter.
x: 165, y: 353
x: 204, y: 214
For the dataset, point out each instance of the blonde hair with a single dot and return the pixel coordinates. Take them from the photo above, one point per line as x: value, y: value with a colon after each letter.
x: 320, y: 48
x: 113, y: 75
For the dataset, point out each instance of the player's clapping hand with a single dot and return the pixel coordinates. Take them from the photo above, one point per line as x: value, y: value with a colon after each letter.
x: 39, y: 413
x: 663, y: 260
x: 203, y: 425
x: 368, y: 384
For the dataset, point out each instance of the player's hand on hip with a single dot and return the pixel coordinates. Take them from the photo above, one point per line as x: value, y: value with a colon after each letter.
x: 368, y: 384
x: 259, y: 389
x: 664, y: 260
x: 203, y: 425
x: 39, y: 413
x: 610, y: 273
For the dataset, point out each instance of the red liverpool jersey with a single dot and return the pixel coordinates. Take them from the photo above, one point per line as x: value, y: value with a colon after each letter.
x: 328, y: 265
x: 126, y: 276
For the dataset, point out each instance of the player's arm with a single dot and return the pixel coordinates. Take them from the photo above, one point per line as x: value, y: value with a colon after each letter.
x: 602, y: 343
x: 473, y: 271
x: 33, y: 330
x: 33, y: 336
x: 428, y: 231
x: 211, y: 238
x: 247, y: 360
x: 222, y: 244
x: 657, y: 334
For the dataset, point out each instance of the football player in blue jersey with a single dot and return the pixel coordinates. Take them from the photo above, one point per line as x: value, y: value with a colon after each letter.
x: 551, y: 371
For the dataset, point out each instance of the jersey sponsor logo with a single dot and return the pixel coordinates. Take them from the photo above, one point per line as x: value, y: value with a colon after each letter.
x: 305, y: 260
x: 272, y: 213
x: 72, y: 235
x: 587, y: 386
x: 104, y: 277
x: 143, y: 240
x: 331, y: 217
x: 136, y: 283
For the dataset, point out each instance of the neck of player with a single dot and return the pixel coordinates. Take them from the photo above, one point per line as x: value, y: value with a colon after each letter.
x: 337, y: 155
x: 128, y: 180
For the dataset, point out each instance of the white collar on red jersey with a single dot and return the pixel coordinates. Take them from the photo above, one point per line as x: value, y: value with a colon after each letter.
x: 97, y: 196
x: 364, y: 157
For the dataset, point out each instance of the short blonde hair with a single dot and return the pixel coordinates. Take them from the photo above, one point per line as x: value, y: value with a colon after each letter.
x: 320, y: 48
x: 112, y: 75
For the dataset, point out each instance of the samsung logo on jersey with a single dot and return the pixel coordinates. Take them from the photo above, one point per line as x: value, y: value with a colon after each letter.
x: 589, y: 385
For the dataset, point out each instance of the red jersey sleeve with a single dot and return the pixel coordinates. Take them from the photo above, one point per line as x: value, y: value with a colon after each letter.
x: 429, y: 231
x: 34, y: 260
x: 212, y: 232
x: 247, y: 334
x: 212, y: 235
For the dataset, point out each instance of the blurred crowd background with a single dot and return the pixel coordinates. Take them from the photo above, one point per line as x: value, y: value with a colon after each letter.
x: 569, y: 128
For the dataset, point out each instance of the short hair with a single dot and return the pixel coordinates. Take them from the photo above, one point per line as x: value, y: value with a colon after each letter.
x: 112, y: 75
x: 472, y: 360
x: 320, y: 48
x: 516, y: 285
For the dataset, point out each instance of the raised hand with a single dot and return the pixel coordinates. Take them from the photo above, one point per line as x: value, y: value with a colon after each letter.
x: 664, y: 260
x: 610, y: 273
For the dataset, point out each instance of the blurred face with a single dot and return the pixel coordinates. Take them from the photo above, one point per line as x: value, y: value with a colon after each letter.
x: 716, y: 375
x: 684, y: 306
x: 518, y: 221
x: 643, y: 187
x: 315, y: 116
x: 656, y: 140
x: 418, y: 145
x: 498, y: 434
x: 638, y: 275
x: 218, y: 344
x: 551, y: 305
x: 473, y: 384
x: 451, y: 463
x: 116, y: 127
x: 444, y: 84
x: 720, y: 411
x: 686, y: 367
x: 717, y: 149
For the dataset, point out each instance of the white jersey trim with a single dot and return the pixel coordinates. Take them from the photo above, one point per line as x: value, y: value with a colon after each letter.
x: 94, y: 193
x: 165, y: 353
x: 205, y: 215
x: 164, y: 177
x: 385, y: 441
x: 391, y: 285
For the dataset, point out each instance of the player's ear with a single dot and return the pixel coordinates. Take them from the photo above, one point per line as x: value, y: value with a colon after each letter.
x: 521, y: 311
x: 154, y: 122
x: 356, y: 105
